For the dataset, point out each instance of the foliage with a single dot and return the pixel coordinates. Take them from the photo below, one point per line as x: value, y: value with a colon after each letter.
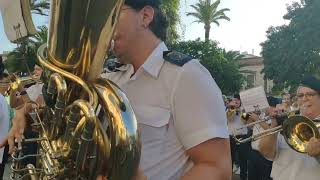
x: 207, y: 12
x: 171, y: 10
x: 222, y: 65
x: 292, y: 51
x: 23, y: 58
x: 40, y: 7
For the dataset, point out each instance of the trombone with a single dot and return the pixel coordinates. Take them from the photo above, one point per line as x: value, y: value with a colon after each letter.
x: 15, y: 82
x: 296, y: 129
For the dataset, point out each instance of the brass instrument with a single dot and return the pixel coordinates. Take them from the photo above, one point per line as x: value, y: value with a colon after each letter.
x: 232, y: 111
x: 87, y: 127
x: 16, y: 82
x: 297, y: 131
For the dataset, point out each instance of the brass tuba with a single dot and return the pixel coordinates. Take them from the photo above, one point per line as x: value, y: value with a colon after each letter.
x: 87, y: 127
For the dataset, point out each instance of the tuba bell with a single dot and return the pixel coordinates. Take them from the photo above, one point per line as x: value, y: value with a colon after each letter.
x: 87, y: 126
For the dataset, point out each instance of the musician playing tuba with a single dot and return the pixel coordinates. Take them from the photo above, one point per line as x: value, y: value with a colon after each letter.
x: 287, y: 163
x: 178, y: 105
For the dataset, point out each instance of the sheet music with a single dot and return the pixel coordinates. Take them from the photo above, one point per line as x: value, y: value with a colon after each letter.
x: 253, y: 99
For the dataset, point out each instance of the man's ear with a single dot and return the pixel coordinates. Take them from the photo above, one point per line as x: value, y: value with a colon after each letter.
x: 147, y: 16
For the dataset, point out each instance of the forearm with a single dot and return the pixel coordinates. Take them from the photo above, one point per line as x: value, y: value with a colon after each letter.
x: 268, y: 146
x: 14, y: 100
x: 264, y: 125
x: 209, y: 171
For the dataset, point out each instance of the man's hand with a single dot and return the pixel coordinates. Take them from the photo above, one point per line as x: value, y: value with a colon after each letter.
x: 313, y: 148
x: 16, y: 132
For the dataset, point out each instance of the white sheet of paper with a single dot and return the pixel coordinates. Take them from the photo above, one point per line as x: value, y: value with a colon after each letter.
x: 253, y: 98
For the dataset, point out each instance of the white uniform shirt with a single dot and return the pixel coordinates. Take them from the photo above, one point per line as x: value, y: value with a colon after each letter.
x: 4, y: 122
x: 235, y: 125
x: 291, y: 165
x: 34, y: 91
x: 256, y: 130
x: 176, y: 107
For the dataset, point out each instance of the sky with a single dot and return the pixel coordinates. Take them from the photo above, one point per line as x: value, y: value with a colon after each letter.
x: 247, y: 29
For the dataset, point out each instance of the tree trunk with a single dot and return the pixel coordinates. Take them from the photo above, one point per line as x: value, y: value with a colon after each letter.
x: 207, y: 32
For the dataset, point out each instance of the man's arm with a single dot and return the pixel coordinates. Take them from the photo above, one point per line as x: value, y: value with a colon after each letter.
x: 268, y: 145
x: 211, y: 160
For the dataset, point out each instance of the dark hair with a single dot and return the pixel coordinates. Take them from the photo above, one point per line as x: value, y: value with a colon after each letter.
x: 311, y: 82
x: 160, y: 24
x: 237, y: 96
x: 272, y: 101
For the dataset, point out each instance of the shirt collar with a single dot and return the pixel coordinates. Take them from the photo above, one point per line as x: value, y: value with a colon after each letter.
x: 154, y: 62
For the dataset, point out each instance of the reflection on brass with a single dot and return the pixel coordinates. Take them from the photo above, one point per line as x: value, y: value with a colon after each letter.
x: 298, y: 130
x: 87, y: 127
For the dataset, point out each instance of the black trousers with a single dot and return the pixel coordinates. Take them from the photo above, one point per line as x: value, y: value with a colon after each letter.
x: 259, y: 168
x: 30, y: 148
x: 239, y: 155
x: 4, y: 161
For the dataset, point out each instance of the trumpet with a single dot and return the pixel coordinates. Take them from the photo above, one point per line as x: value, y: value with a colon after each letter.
x: 232, y: 110
x: 296, y: 129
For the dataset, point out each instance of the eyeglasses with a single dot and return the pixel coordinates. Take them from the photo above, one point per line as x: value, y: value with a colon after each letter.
x: 307, y: 95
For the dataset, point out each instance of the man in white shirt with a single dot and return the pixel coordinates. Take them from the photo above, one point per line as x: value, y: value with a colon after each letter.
x: 4, y: 127
x: 178, y: 105
x: 239, y: 152
x: 287, y: 163
x: 258, y: 166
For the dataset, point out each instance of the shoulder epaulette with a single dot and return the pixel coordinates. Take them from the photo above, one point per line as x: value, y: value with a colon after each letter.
x: 176, y: 57
x: 112, y: 65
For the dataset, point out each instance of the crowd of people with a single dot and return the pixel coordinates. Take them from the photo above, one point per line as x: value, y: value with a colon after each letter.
x: 184, y: 127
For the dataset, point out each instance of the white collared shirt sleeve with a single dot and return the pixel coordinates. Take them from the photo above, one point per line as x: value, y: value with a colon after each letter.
x: 4, y: 122
x: 198, y: 107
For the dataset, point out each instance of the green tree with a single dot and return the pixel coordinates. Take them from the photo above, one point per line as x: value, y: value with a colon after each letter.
x: 171, y: 10
x: 293, y: 51
x: 40, y: 7
x: 223, y: 68
x: 207, y: 12
x: 23, y: 57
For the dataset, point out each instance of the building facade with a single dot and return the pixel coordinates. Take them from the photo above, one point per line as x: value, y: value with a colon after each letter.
x: 251, y: 68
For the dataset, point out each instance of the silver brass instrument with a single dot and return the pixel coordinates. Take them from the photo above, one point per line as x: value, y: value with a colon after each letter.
x: 87, y: 127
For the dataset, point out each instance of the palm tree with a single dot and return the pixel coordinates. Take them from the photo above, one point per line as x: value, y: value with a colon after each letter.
x: 207, y: 13
x: 25, y: 53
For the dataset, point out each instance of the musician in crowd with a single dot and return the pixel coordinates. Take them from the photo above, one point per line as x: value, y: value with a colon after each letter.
x: 183, y: 128
x: 23, y: 94
x: 19, y: 99
x: 285, y: 106
x: 259, y: 168
x: 287, y: 163
x: 239, y: 152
